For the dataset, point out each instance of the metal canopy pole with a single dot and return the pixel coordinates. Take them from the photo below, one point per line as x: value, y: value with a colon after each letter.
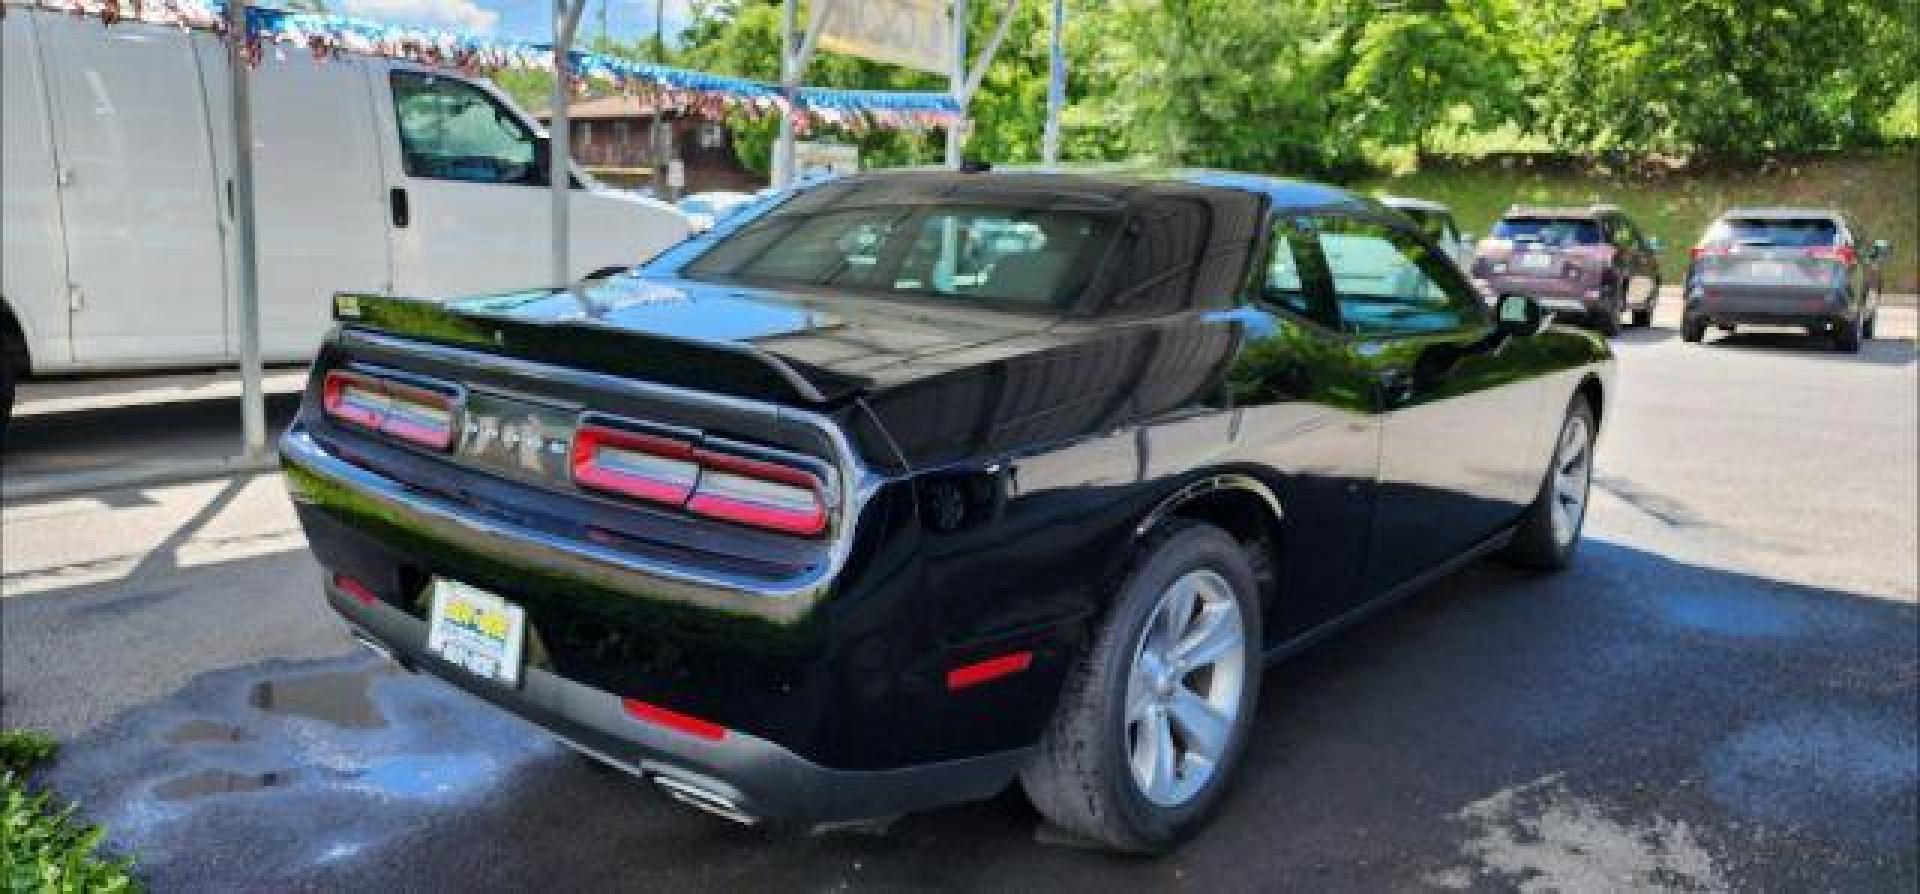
x: 957, y: 82
x: 1056, y: 85
x: 793, y: 67
x: 566, y: 17
x: 253, y: 401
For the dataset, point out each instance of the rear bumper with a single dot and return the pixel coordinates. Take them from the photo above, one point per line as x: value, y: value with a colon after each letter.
x: 772, y: 683
x: 739, y: 775
x: 1768, y: 307
x: 1565, y: 296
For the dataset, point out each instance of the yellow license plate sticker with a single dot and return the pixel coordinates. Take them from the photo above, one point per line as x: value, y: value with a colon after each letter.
x: 477, y: 630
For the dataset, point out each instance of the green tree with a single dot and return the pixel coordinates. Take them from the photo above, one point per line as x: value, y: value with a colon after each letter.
x: 1420, y: 69
x: 1722, y: 76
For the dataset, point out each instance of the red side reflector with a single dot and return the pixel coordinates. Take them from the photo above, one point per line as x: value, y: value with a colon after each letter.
x: 986, y: 671
x: 359, y: 591
x: 673, y: 720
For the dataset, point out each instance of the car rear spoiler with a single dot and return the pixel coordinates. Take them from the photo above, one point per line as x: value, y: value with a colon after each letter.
x: 725, y: 367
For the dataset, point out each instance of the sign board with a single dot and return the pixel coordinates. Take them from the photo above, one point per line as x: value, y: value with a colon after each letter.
x: 824, y: 160
x: 913, y: 33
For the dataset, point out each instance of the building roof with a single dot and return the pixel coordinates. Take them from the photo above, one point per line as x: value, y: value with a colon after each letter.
x: 606, y: 108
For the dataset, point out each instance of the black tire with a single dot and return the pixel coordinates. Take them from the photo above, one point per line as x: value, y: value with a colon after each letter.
x: 1866, y: 330
x: 1692, y: 328
x: 1607, y: 322
x: 1535, y: 545
x: 1643, y: 318
x: 1846, y: 335
x: 1080, y: 778
x: 6, y: 388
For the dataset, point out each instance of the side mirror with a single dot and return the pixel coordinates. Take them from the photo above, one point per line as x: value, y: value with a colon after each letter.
x: 542, y: 161
x: 1654, y: 244
x: 1519, y: 315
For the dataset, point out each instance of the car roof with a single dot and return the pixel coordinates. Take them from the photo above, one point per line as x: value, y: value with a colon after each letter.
x: 1590, y: 211
x: 1415, y: 204
x: 1111, y: 186
x: 1783, y: 213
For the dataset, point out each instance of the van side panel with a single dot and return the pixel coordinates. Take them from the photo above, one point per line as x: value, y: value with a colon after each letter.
x: 34, y: 276
x: 319, y: 203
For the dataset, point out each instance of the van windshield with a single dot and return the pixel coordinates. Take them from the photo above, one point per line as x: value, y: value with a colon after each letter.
x: 1024, y: 256
x: 1809, y: 232
x: 1553, y: 231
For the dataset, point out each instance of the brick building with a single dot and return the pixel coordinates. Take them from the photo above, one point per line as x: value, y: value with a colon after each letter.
x: 612, y: 139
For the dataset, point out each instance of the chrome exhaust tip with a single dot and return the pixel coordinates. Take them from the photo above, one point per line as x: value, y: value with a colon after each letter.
x: 705, y: 799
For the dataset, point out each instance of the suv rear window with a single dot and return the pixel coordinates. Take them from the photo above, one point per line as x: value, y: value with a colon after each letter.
x: 1553, y: 231
x: 1804, y: 232
x: 1022, y: 256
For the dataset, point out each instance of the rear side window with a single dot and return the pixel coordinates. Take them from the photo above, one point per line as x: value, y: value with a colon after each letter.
x: 1810, y: 232
x: 1551, y: 231
x: 1018, y: 256
x: 452, y: 130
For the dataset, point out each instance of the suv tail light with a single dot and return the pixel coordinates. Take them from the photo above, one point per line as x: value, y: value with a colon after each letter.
x: 754, y: 492
x: 1842, y: 253
x: 412, y: 413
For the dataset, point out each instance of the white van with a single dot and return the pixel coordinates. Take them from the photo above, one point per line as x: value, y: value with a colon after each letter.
x: 371, y: 175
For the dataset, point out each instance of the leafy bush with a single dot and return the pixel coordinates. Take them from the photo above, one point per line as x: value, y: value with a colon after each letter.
x: 45, y: 848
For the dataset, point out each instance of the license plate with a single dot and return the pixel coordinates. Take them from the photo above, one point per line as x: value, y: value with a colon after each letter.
x: 477, y: 630
x: 1767, y: 270
x: 1534, y: 262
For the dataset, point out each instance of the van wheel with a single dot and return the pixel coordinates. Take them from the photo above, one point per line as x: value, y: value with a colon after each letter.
x: 6, y: 387
x: 1550, y: 530
x: 1643, y: 319
x: 1154, y: 717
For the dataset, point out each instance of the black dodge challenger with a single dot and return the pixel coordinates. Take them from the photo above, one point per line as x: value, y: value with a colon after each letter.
x: 905, y: 486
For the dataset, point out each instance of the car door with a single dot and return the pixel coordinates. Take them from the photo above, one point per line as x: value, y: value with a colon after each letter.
x: 142, y: 211
x: 319, y: 203
x: 469, y: 205
x: 1458, y: 442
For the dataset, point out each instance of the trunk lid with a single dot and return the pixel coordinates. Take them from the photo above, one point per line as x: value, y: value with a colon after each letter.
x: 787, y: 346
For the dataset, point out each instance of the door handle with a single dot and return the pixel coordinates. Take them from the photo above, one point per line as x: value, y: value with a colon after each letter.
x: 397, y: 204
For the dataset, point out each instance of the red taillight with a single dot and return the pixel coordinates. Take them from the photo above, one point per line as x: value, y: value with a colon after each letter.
x: 1700, y: 251
x: 718, y: 485
x: 761, y: 494
x: 419, y: 415
x: 673, y: 720
x: 360, y: 592
x: 662, y: 470
x: 1842, y: 253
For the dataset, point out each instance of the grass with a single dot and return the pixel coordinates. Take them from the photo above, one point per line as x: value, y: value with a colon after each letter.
x: 44, y: 848
x: 1676, y: 203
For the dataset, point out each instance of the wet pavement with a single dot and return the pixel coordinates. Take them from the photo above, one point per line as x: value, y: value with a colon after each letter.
x: 1721, y: 694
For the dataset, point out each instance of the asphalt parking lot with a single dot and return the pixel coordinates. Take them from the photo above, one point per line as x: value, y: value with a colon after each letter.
x: 1721, y: 694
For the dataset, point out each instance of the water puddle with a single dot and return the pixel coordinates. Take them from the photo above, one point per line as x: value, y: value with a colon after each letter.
x: 197, y: 732
x: 340, y: 698
x: 218, y: 782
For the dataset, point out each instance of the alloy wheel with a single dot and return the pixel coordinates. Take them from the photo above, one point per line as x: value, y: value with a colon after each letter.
x: 1572, y: 471
x: 1183, y: 689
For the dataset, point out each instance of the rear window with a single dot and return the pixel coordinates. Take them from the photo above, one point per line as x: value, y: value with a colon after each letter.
x: 1554, y: 231
x: 1808, y: 232
x: 1005, y: 255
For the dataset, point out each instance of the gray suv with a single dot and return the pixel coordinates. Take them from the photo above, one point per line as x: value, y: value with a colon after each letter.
x: 1812, y: 268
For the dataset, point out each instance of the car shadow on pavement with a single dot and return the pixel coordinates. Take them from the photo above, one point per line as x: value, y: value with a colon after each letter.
x: 1650, y: 335
x: 1885, y: 351
x: 1638, y: 719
